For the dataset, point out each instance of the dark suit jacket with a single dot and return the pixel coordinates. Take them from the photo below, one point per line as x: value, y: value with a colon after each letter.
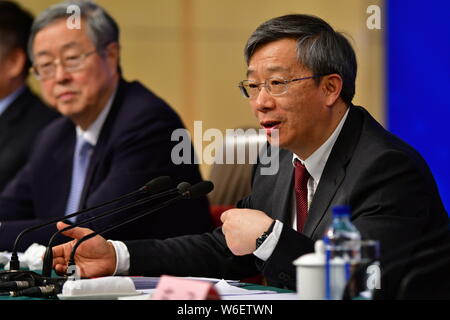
x: 20, y: 123
x: 134, y: 146
x: 388, y: 185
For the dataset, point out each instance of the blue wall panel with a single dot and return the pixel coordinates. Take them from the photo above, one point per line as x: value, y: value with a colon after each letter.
x: 418, y: 81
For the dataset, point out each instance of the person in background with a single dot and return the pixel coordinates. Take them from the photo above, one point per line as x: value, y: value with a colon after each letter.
x: 301, y: 82
x: 114, y: 137
x: 22, y: 114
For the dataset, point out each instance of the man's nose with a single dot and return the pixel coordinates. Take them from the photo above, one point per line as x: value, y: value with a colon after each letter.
x: 61, y: 75
x: 264, y: 101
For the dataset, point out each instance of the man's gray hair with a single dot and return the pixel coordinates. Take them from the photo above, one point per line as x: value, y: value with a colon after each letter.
x: 319, y: 47
x: 101, y: 27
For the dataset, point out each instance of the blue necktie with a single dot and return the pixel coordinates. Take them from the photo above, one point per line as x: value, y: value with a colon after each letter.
x: 82, y: 155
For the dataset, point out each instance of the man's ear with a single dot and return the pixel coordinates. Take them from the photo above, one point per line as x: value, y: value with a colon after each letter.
x: 15, y: 63
x: 332, y: 86
x: 113, y: 56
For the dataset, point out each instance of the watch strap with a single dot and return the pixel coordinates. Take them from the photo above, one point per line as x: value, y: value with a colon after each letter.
x: 264, y: 236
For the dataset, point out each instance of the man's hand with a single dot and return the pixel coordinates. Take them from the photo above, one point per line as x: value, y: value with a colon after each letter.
x: 242, y: 227
x: 95, y: 257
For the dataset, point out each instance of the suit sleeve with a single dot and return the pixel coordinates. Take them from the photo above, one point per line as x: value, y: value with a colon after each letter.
x: 17, y: 213
x: 16, y: 200
x: 204, y: 255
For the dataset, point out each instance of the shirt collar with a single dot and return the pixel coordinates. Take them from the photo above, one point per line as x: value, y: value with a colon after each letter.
x: 315, y: 163
x: 6, y: 102
x: 92, y: 133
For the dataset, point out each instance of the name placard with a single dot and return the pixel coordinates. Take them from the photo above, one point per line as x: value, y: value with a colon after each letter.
x: 174, y: 288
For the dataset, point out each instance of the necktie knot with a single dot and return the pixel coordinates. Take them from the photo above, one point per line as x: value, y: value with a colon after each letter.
x: 301, y: 175
x: 84, y: 147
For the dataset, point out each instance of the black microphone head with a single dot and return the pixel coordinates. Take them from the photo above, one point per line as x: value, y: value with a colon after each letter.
x: 200, y: 189
x: 157, y: 185
x: 183, y: 187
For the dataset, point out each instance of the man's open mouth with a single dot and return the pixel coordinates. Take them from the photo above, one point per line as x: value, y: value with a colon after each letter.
x: 270, y: 125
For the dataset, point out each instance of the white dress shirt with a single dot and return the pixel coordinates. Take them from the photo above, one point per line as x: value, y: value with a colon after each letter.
x: 92, y: 133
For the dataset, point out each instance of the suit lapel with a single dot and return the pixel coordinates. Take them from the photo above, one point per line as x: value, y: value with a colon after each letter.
x: 281, y: 207
x: 4, y: 130
x: 13, y: 113
x: 334, y: 171
x: 329, y: 183
x: 60, y: 175
x: 102, y: 144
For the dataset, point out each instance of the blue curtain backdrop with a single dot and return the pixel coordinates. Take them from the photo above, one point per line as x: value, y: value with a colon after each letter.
x: 418, y: 81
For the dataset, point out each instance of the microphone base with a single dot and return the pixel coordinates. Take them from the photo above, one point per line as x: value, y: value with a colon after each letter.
x: 14, y: 265
x: 47, y: 262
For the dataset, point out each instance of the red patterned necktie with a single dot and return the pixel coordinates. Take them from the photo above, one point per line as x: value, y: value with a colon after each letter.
x: 301, y: 193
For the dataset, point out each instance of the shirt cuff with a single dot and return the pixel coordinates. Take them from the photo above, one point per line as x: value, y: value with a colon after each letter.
x: 122, y: 258
x: 266, y: 248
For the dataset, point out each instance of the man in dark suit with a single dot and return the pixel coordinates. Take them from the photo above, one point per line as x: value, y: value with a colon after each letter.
x: 114, y: 137
x: 22, y: 114
x: 301, y: 82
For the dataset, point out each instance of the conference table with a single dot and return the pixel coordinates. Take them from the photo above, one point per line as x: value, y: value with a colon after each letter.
x: 243, y: 285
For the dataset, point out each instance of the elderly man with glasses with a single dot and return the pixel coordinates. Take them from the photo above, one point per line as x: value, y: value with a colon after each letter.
x: 114, y: 137
x: 300, y: 84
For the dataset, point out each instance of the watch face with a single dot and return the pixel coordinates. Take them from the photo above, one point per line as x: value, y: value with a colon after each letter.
x: 261, y: 239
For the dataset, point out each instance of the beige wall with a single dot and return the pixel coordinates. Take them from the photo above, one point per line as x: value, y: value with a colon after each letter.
x: 190, y: 51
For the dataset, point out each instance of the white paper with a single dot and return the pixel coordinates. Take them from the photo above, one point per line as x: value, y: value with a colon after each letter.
x: 31, y: 258
x: 225, y: 289
x: 216, y: 280
x: 273, y: 296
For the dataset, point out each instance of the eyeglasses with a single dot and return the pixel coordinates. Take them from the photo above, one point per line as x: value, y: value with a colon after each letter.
x: 70, y: 63
x: 275, y: 86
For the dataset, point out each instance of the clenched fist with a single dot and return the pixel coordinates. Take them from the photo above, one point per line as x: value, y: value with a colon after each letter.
x: 242, y: 227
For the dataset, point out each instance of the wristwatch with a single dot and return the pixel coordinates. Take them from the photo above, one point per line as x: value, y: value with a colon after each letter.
x: 263, y: 237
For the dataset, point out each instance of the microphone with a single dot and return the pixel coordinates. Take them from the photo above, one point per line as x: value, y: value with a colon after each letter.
x: 185, y: 192
x: 48, y: 256
x: 199, y: 189
x: 153, y: 186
